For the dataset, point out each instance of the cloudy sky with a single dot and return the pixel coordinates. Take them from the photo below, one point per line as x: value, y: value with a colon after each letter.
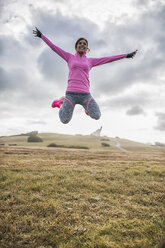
x: 130, y: 92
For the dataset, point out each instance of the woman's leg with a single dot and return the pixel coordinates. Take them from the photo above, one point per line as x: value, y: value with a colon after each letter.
x: 91, y: 107
x: 66, y: 110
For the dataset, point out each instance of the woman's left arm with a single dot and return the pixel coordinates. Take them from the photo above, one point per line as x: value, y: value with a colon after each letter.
x: 104, y: 60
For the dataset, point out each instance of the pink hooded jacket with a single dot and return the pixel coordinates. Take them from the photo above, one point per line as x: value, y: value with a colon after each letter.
x: 79, y: 67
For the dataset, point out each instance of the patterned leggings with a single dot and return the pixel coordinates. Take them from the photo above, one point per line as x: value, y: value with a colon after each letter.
x: 84, y: 99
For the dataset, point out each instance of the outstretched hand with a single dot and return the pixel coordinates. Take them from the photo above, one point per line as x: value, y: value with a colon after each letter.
x: 132, y: 55
x: 37, y: 33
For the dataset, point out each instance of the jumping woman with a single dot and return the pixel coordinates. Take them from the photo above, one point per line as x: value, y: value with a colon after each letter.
x: 78, y: 88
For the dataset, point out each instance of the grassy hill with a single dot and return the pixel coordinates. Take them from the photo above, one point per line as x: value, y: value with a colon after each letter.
x: 92, y: 142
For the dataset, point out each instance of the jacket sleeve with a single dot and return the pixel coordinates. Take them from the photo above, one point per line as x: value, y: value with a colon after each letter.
x: 56, y: 49
x: 104, y: 60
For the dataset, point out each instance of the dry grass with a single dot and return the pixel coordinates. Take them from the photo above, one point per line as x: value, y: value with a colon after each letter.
x: 53, y: 197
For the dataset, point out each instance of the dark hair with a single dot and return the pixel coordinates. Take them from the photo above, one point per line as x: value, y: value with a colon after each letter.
x: 79, y: 40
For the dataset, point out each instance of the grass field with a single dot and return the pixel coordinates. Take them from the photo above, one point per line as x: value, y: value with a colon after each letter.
x: 69, y: 198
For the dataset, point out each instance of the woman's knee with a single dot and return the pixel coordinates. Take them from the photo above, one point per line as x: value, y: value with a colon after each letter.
x: 96, y: 116
x: 93, y: 110
x: 65, y: 118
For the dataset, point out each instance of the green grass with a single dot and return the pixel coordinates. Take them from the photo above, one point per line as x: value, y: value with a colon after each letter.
x: 81, y: 198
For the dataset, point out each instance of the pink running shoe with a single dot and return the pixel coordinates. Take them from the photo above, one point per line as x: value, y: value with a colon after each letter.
x: 57, y: 103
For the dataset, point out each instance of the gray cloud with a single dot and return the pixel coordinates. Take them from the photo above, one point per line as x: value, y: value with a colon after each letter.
x: 12, y: 51
x: 13, y: 79
x: 135, y: 110
x: 18, y: 82
x: 145, y: 34
x: 53, y: 68
x: 17, y: 90
x: 161, y: 121
x: 128, y: 100
x: 62, y: 30
x: 2, y: 6
x: 3, y: 80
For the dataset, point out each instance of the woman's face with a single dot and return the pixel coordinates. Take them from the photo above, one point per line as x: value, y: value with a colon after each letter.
x: 82, y: 46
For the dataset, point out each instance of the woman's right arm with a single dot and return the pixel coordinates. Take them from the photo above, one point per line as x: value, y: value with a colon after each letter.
x: 56, y: 49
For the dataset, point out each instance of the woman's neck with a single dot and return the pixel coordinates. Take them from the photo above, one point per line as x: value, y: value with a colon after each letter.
x: 81, y: 54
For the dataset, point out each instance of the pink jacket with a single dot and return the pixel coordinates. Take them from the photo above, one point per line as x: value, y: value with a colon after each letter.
x: 79, y: 67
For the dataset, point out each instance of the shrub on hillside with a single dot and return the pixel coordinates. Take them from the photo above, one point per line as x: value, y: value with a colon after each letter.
x: 34, y: 139
x: 64, y: 146
x: 79, y: 147
x: 52, y: 145
x: 105, y: 144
